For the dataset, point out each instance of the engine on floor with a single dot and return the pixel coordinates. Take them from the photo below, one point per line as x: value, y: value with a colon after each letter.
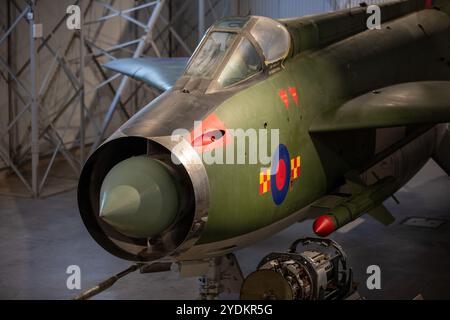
x: 318, y: 272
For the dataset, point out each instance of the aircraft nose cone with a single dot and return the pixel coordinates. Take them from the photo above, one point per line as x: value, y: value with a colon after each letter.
x: 139, y: 197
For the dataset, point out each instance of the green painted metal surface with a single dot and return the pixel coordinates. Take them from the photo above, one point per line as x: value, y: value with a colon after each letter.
x: 139, y: 197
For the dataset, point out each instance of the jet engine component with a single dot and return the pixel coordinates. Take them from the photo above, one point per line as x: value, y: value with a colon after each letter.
x: 320, y: 272
x: 138, y: 203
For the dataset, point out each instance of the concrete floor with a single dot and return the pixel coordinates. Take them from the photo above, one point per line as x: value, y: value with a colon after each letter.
x: 39, y: 239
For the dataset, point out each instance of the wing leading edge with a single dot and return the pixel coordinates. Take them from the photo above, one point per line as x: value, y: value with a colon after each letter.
x: 160, y: 73
x: 403, y: 104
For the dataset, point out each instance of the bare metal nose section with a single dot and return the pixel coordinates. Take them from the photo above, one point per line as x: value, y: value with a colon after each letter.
x: 144, y: 198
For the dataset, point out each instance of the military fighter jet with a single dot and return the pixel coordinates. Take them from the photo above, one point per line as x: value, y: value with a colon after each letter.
x: 358, y: 112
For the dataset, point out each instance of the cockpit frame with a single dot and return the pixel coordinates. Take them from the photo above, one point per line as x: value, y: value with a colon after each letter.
x: 244, y: 31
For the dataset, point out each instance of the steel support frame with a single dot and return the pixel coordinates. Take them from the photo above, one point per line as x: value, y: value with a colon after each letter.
x: 25, y: 152
x: 150, y: 37
x: 140, y: 43
x: 30, y: 96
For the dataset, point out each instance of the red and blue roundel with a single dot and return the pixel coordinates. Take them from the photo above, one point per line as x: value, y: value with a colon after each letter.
x: 280, y: 174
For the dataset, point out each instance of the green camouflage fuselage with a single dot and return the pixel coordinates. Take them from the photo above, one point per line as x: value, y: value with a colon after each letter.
x: 325, y: 79
x: 325, y: 133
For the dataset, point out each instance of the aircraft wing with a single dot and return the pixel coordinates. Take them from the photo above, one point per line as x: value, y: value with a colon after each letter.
x: 160, y: 73
x: 403, y: 104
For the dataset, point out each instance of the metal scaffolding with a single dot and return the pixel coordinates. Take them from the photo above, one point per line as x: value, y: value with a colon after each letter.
x: 140, y: 46
x: 50, y: 123
x: 26, y: 92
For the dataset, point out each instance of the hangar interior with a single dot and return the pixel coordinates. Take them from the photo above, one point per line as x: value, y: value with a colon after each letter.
x: 58, y: 103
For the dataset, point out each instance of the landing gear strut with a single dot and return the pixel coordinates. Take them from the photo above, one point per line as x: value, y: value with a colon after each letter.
x: 224, y: 276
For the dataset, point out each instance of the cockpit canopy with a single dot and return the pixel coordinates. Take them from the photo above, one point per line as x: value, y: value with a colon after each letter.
x: 236, y: 49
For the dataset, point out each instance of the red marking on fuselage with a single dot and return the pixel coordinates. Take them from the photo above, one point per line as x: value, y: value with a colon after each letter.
x: 284, y: 97
x: 210, y: 124
x: 294, y: 95
x: 208, y: 138
x: 281, y: 174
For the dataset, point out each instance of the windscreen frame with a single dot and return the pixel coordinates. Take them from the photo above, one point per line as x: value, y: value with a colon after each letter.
x: 268, y: 67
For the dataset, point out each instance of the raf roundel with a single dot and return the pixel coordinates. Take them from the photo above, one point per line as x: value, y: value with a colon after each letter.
x: 280, y: 174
